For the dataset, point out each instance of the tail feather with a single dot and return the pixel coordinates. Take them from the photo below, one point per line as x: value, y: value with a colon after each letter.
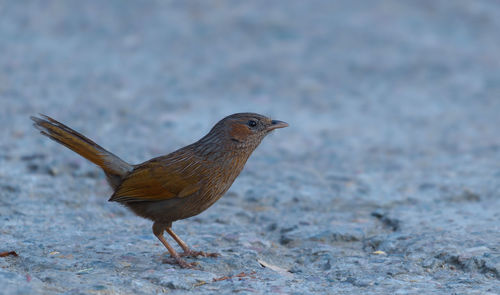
x: 114, y: 167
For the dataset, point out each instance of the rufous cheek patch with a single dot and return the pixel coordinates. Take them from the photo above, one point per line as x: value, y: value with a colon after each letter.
x: 239, y: 131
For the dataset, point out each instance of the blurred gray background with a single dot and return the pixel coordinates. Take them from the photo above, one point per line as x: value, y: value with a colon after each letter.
x: 386, y: 182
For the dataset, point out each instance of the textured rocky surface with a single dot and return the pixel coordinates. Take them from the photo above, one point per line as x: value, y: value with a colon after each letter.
x: 386, y: 182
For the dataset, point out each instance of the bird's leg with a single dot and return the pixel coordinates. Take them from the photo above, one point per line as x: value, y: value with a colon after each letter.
x: 185, y: 247
x: 158, y: 229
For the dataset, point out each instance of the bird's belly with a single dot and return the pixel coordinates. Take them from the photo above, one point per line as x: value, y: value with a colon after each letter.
x: 170, y: 210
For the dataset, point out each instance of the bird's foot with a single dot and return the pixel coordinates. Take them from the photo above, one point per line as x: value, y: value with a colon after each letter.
x: 191, y: 253
x: 181, y: 262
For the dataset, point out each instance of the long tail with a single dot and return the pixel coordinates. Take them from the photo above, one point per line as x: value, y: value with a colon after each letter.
x: 114, y: 167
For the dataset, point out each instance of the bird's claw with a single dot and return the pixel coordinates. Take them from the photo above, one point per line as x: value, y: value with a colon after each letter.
x: 181, y: 262
x: 192, y: 253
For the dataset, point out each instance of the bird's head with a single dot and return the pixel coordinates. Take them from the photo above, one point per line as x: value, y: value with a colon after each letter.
x: 244, y: 130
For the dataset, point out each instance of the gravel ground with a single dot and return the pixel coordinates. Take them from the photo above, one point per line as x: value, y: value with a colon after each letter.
x: 386, y: 182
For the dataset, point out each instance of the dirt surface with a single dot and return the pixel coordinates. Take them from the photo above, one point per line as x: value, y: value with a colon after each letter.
x: 386, y: 182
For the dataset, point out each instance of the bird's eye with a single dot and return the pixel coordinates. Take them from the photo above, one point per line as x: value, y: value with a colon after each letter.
x: 252, y: 123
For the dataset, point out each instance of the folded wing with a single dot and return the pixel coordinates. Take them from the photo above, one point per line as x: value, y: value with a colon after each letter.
x: 159, y: 179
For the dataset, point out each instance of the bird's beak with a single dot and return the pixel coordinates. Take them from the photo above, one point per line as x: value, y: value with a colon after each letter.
x: 275, y: 124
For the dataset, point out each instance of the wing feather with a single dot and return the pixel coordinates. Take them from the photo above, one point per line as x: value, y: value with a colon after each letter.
x: 159, y: 179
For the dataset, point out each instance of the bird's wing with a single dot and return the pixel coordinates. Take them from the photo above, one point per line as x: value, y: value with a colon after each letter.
x: 156, y: 181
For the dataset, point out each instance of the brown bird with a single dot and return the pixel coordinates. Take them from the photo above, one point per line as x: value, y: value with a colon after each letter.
x: 179, y: 185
